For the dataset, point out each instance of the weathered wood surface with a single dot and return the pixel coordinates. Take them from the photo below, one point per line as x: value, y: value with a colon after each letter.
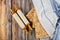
x: 9, y: 20
x: 3, y: 21
x: 9, y: 29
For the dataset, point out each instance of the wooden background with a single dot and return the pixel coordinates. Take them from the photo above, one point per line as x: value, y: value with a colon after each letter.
x: 9, y: 29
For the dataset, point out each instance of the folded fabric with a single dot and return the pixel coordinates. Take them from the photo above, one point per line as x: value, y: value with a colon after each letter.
x: 58, y: 1
x: 46, y: 15
x: 57, y: 8
x: 57, y: 33
x: 39, y: 30
x: 49, y: 12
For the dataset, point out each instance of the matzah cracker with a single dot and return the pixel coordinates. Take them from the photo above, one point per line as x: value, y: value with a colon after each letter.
x: 39, y: 30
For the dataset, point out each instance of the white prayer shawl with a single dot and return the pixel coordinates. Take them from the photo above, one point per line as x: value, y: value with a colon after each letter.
x: 49, y: 12
x: 46, y: 15
x: 58, y: 1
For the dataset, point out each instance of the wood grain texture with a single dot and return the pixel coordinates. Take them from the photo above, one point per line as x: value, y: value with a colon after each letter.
x: 0, y: 18
x: 9, y: 20
x: 3, y: 21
